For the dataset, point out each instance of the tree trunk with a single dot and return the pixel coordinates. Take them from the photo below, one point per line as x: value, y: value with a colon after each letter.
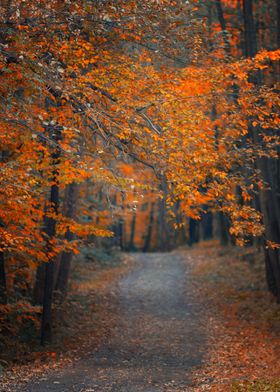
x: 222, y: 21
x: 121, y: 225
x: 132, y: 232
x: 193, y: 231
x: 3, y: 282
x: 64, y: 270
x: 207, y: 226
x: 278, y: 23
x: 38, y: 291
x: 269, y: 168
x: 148, y: 238
x: 49, y: 271
x: 249, y: 29
x: 66, y: 257
x: 3, y: 285
x: 50, y: 231
x: 223, y: 228
x: 121, y: 234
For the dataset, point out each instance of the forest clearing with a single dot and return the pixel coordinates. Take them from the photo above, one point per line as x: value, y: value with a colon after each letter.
x: 140, y: 195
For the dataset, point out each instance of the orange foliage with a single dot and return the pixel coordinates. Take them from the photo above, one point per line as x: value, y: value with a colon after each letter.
x: 120, y: 107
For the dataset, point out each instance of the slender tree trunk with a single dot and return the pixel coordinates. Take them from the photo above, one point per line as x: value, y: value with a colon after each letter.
x: 132, y: 232
x: 193, y: 231
x: 3, y: 281
x: 278, y: 23
x: 50, y: 231
x: 222, y: 21
x: 249, y: 29
x: 120, y: 233
x: 38, y: 291
x: 49, y: 272
x: 148, y: 238
x: 223, y: 228
x: 207, y: 226
x: 121, y: 226
x: 3, y: 285
x: 66, y: 257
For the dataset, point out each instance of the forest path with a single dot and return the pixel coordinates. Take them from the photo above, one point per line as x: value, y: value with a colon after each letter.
x: 156, y: 344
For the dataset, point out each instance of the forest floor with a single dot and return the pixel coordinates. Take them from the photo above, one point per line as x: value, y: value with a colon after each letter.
x: 190, y: 320
x: 243, y: 320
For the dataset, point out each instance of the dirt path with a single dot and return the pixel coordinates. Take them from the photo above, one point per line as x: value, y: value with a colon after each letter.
x: 156, y: 344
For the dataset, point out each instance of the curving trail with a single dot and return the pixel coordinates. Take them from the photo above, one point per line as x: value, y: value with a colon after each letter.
x: 157, y: 343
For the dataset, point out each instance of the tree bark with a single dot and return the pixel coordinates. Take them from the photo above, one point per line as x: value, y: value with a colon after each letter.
x: 207, y: 226
x: 223, y: 228
x: 132, y: 232
x: 249, y: 29
x: 278, y: 24
x: 3, y: 285
x: 222, y: 21
x: 50, y: 231
x: 148, y: 238
x: 66, y: 257
x: 193, y: 231
x: 269, y: 168
x: 38, y: 291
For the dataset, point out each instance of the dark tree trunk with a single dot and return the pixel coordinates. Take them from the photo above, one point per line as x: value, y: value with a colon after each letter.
x: 278, y: 23
x: 50, y: 231
x: 193, y: 231
x: 38, y: 291
x: 148, y: 238
x: 3, y: 285
x: 269, y: 168
x: 249, y: 29
x: 64, y: 269
x: 66, y: 257
x: 223, y: 229
x: 272, y: 234
x: 207, y: 226
x: 3, y: 281
x: 132, y: 232
x: 49, y: 271
x: 222, y: 22
x: 121, y: 225
x: 121, y: 234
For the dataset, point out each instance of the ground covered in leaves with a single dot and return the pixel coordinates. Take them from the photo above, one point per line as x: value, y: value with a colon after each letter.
x: 155, y: 341
x: 84, y: 320
x: 243, y: 320
x: 196, y: 319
